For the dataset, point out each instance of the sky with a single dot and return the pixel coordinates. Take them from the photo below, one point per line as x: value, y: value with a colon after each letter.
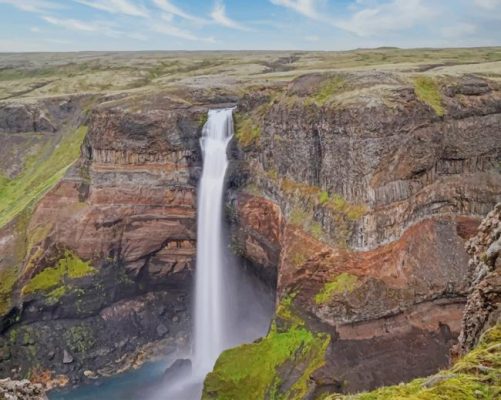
x: 78, y: 25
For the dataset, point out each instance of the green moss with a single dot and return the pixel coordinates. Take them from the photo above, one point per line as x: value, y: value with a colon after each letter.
x: 299, y: 216
x: 323, y: 197
x: 247, y: 132
x: 250, y: 372
x: 307, y: 199
x: 329, y: 88
x: 79, y: 338
x: 8, y: 278
x: 70, y: 266
x: 339, y: 204
x: 40, y: 174
x: 202, y: 119
x: 255, y: 371
x: 284, y: 310
x: 343, y: 283
x: 476, y: 376
x: 317, y: 230
x: 428, y: 92
x: 57, y: 293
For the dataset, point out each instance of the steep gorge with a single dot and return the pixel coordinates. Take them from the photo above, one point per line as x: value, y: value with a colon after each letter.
x: 329, y: 189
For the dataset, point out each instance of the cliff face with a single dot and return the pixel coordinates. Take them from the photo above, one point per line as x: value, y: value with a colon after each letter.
x: 482, y: 308
x: 107, y: 254
x: 363, y: 197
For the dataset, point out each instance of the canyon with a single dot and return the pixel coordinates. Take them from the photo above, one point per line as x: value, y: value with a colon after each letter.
x: 356, y: 187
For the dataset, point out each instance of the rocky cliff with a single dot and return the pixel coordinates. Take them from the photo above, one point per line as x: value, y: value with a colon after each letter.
x: 106, y: 256
x: 351, y: 193
x: 361, y: 193
x: 482, y: 309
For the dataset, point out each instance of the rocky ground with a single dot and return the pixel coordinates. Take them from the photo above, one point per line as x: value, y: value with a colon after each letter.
x: 20, y: 390
x: 356, y: 180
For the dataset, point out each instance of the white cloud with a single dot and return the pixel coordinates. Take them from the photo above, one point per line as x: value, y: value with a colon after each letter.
x: 219, y: 16
x: 458, y: 30
x: 116, y: 7
x: 488, y: 4
x: 77, y: 25
x: 396, y: 15
x: 171, y: 9
x: 174, y: 31
x: 35, y: 29
x: 306, y: 7
x: 32, y: 5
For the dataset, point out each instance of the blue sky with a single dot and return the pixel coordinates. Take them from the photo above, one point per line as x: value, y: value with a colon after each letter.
x: 75, y: 25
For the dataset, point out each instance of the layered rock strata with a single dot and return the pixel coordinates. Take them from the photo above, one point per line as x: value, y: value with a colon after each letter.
x: 364, y: 198
x: 104, y: 280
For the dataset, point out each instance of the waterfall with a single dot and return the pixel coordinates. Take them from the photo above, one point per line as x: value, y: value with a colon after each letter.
x: 231, y: 307
x: 209, y: 312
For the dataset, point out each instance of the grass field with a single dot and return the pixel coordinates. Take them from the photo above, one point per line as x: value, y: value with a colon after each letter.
x: 25, y: 76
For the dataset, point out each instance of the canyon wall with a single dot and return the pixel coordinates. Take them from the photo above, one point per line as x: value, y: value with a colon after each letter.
x: 105, y: 258
x: 351, y: 194
x: 365, y: 203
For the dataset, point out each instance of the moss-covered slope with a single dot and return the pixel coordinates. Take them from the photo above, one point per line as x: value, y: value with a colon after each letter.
x: 41, y: 172
x: 475, y: 376
x: 278, y: 366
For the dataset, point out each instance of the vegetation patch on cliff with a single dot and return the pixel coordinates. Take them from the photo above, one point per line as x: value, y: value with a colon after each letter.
x: 308, y: 202
x: 79, y: 338
x: 343, y: 283
x: 475, y: 376
x: 428, y: 92
x: 41, y: 172
x: 328, y: 89
x: 269, y: 363
x: 247, y: 131
x: 8, y: 278
x: 70, y: 266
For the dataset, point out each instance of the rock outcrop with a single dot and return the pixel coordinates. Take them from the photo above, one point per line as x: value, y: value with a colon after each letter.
x: 482, y: 309
x: 20, y: 390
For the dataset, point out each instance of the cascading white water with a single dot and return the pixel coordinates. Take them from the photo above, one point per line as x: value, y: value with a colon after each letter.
x: 210, y: 309
x: 230, y: 308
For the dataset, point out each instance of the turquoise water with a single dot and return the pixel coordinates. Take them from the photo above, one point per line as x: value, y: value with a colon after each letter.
x: 135, y: 385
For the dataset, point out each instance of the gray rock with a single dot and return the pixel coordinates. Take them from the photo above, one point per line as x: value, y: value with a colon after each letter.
x: 435, y: 380
x: 20, y: 390
x: 162, y: 330
x: 67, y: 358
